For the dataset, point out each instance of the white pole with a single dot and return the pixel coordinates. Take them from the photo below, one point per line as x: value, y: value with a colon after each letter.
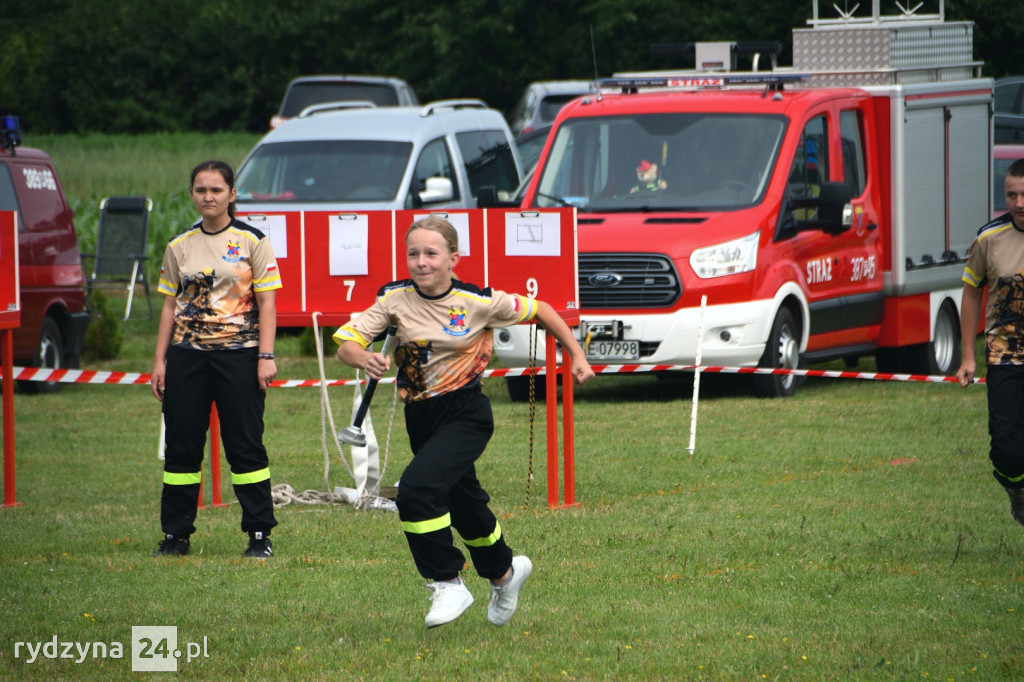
x: 163, y: 443
x: 696, y: 375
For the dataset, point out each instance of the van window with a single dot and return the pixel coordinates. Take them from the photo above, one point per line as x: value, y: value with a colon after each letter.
x: 810, y: 164
x: 303, y: 94
x: 489, y: 160
x: 8, y: 199
x: 43, y: 206
x: 1007, y: 96
x: 436, y: 162
x: 853, y: 151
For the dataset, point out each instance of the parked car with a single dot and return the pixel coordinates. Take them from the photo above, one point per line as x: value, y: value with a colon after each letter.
x: 369, y: 158
x: 1002, y: 156
x: 54, y: 318
x: 530, y: 145
x: 306, y: 91
x: 1009, y: 111
x: 541, y: 102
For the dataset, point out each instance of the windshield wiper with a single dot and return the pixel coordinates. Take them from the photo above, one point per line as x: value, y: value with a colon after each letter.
x: 560, y: 200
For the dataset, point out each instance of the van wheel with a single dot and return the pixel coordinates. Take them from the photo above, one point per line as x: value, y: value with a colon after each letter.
x: 519, y: 388
x: 941, y: 355
x: 781, y: 351
x: 49, y: 354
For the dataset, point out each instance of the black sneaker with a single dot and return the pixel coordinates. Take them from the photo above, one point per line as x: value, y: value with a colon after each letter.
x: 259, y: 546
x: 172, y: 546
x: 1016, y: 503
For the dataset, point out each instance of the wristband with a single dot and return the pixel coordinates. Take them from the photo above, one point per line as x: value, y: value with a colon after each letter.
x: 265, y: 356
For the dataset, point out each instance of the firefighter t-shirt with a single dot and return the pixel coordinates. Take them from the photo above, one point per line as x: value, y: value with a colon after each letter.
x: 445, y: 341
x: 996, y: 258
x: 215, y: 277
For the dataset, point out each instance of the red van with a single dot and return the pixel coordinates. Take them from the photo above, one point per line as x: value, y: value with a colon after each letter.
x: 54, y: 318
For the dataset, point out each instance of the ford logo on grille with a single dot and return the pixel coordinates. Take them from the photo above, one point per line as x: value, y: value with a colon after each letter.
x: 605, y: 279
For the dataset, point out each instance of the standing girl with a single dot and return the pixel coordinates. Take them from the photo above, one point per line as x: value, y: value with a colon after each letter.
x: 215, y: 345
x: 445, y: 339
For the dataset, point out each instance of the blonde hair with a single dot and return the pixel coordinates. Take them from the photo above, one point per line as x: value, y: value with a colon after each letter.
x: 440, y: 226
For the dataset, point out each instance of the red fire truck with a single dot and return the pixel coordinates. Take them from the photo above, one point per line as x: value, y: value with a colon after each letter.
x: 53, y: 316
x: 824, y: 210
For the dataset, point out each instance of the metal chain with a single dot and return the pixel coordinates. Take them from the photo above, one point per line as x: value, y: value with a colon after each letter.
x: 533, y: 403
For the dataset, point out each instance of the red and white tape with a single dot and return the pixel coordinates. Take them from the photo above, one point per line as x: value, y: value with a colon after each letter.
x: 81, y: 376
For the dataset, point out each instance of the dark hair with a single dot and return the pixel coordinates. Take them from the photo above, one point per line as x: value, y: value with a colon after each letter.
x: 225, y: 172
x: 1016, y: 169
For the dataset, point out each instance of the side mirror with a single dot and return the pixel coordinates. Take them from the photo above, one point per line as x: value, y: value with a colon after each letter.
x: 437, y: 189
x: 834, y: 212
x: 830, y: 211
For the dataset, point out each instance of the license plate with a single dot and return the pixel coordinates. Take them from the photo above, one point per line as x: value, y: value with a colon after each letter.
x: 613, y: 350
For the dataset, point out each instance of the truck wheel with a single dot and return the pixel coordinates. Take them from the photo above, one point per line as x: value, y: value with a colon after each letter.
x: 781, y: 351
x: 49, y: 354
x: 941, y: 355
x: 519, y: 388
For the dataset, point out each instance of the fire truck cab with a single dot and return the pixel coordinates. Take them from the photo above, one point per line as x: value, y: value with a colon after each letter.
x: 824, y: 210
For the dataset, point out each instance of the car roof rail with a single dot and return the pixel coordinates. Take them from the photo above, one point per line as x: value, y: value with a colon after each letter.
x: 432, y: 107
x: 333, y: 106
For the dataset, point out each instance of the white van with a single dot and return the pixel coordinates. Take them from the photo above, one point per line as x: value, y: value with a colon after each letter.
x: 357, y: 156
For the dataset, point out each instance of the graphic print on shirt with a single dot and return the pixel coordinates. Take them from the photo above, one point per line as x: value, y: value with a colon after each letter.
x: 417, y: 376
x: 1008, y: 325
x: 234, y: 253
x: 457, y: 324
x: 411, y: 358
x: 198, y: 304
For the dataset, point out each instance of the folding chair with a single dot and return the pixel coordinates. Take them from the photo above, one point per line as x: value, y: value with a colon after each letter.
x: 121, y: 243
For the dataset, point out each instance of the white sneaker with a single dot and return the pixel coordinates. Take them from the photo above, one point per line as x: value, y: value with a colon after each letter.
x: 449, y: 601
x: 505, y: 598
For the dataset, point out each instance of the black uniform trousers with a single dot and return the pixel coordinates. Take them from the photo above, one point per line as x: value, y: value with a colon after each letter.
x: 439, y: 489
x: 1005, y: 385
x: 195, y: 380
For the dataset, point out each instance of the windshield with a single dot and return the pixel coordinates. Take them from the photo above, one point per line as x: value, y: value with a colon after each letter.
x: 324, y: 170
x: 661, y: 162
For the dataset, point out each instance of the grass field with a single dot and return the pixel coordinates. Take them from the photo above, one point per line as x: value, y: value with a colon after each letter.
x: 851, y: 532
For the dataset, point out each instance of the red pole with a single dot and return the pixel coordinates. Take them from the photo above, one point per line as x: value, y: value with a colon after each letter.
x: 568, y: 435
x: 215, y: 458
x: 551, y: 400
x: 8, y: 393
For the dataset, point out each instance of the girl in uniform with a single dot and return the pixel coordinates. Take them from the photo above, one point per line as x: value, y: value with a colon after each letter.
x: 215, y: 344
x: 445, y: 332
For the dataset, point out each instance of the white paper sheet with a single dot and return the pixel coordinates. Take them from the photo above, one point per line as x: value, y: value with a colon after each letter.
x: 533, y: 234
x: 348, y: 236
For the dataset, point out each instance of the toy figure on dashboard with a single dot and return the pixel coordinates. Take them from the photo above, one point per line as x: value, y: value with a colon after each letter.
x: 648, y: 178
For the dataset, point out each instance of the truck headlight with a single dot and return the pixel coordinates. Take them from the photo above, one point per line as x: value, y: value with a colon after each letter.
x: 730, y: 258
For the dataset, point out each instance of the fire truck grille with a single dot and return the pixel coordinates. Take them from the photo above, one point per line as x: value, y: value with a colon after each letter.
x: 626, y: 280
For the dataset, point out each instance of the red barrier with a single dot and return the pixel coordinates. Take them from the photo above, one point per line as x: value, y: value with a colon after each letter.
x: 10, y: 494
